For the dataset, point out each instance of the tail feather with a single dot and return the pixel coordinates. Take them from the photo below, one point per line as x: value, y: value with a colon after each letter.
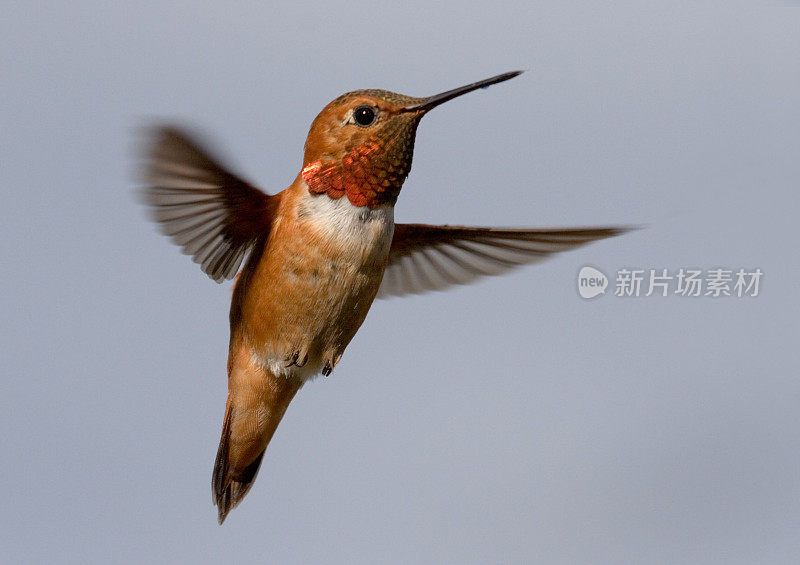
x: 253, y: 411
x: 221, y: 462
x: 228, y: 494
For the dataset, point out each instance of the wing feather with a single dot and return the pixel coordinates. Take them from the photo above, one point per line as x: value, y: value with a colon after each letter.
x: 425, y: 257
x: 214, y: 216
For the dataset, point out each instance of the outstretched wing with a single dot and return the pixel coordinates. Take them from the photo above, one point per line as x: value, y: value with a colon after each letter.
x: 424, y: 257
x: 211, y: 213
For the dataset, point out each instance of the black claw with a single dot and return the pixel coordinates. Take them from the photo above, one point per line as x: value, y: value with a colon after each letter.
x: 295, y: 360
x: 326, y: 370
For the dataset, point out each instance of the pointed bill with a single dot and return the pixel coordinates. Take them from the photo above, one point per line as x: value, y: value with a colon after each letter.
x: 433, y: 101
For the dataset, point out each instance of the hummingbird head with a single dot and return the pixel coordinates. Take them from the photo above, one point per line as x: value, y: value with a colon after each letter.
x: 361, y: 144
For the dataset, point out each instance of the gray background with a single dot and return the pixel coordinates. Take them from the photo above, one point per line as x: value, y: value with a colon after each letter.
x: 506, y: 421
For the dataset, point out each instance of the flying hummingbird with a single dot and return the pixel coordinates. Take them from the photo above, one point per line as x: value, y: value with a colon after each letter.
x: 317, y: 254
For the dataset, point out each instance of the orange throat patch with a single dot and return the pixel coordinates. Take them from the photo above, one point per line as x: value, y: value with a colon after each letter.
x: 367, y: 175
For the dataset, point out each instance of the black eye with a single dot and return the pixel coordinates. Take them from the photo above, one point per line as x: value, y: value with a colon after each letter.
x: 364, y: 115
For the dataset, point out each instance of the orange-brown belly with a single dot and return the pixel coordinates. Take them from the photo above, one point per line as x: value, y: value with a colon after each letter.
x: 315, y: 282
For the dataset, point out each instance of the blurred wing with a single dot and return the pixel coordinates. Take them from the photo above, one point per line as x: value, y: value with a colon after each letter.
x: 424, y: 258
x: 211, y: 213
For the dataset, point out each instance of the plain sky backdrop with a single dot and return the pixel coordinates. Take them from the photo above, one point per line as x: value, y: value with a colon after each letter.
x: 507, y: 421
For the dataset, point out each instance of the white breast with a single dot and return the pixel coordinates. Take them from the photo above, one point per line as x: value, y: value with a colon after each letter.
x: 365, y: 232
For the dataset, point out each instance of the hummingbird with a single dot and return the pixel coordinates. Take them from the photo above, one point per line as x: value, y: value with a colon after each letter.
x: 317, y: 254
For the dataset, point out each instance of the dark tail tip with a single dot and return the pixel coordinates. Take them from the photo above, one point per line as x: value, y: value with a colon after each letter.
x: 231, y: 494
x: 227, y: 491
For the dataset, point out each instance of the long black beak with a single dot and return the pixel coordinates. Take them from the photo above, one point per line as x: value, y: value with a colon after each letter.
x: 433, y: 101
